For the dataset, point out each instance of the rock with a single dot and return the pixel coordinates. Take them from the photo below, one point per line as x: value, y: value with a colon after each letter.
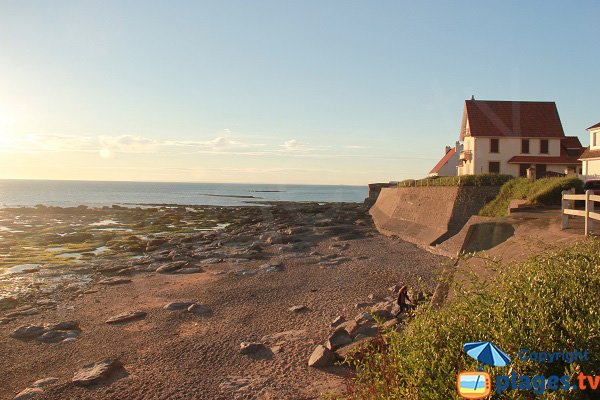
x: 251, y: 348
x: 256, y: 246
x: 199, y: 309
x: 29, y: 393
x: 179, y: 305
x: 26, y: 332
x: 57, y: 336
x: 337, y: 320
x: 338, y: 339
x: 245, y: 272
x: 321, y: 357
x: 189, y: 270
x: 42, y: 383
x: 171, y: 267
x: 95, y: 373
x: 64, y: 326
x: 126, y: 317
x: 363, y: 305
x: 355, y: 350
x: 23, y: 312
x: 114, y: 281
x: 370, y: 330
x: 298, y: 309
x: 349, y: 326
x: 364, y: 318
x: 391, y: 324
x: 271, y: 267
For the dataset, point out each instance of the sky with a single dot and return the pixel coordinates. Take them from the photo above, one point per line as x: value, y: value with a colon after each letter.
x: 315, y: 92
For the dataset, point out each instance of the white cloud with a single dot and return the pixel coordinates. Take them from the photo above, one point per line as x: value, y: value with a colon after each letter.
x: 109, y: 145
x: 293, y: 145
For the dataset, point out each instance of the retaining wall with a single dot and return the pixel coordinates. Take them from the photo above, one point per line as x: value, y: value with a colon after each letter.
x: 428, y: 215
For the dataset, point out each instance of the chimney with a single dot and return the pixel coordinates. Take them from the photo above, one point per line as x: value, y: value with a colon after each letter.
x: 448, y: 148
x: 472, y: 97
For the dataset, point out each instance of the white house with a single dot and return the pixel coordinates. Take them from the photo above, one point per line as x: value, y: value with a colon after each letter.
x: 449, y: 162
x: 508, y: 137
x: 591, y: 156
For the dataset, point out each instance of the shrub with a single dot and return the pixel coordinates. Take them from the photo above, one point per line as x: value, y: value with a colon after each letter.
x: 545, y: 191
x: 549, y: 303
x: 464, y: 180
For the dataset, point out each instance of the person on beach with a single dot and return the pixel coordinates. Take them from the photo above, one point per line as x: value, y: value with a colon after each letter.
x: 403, y: 301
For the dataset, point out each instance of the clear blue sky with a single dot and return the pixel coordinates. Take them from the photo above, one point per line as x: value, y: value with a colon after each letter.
x: 275, y: 91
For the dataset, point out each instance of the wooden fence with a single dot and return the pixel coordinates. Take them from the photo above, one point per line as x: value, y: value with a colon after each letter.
x: 589, y: 214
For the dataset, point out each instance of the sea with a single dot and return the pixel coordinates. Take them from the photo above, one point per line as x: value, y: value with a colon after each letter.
x: 29, y: 193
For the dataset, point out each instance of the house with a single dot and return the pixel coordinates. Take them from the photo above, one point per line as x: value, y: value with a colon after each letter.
x: 449, y: 162
x: 509, y: 137
x: 591, y: 156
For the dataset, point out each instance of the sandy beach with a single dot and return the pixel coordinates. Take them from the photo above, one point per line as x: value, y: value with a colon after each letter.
x: 243, y: 277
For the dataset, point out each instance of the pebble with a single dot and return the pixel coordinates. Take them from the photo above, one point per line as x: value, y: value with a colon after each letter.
x: 298, y: 309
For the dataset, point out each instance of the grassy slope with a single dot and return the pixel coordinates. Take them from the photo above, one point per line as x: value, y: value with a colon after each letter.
x: 547, y: 303
x: 542, y: 191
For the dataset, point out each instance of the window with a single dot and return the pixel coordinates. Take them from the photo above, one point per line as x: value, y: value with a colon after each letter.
x: 494, y: 146
x: 544, y: 146
x: 540, y: 170
x: 525, y: 146
x: 494, y: 167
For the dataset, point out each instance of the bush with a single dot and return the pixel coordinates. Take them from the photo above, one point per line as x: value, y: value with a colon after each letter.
x: 546, y: 191
x: 464, y: 180
x: 549, y: 303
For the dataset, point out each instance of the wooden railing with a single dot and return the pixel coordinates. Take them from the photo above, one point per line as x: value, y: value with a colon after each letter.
x: 589, y: 214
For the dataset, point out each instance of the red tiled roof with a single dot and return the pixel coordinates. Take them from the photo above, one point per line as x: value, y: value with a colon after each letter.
x: 443, y: 161
x: 511, y: 118
x: 594, y: 126
x: 587, y: 154
x: 543, y: 160
x: 571, y: 142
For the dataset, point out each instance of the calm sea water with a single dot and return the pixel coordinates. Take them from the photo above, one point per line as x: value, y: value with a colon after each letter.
x: 74, y: 193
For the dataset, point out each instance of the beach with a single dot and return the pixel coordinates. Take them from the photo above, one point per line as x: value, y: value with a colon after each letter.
x: 275, y: 276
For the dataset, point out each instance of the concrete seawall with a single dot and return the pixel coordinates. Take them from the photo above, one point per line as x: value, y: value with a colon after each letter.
x: 428, y: 216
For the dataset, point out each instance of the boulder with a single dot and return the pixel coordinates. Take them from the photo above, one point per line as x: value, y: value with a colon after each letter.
x: 97, y: 372
x: 171, y: 267
x: 355, y: 350
x: 189, y: 270
x: 321, y: 357
x: 349, y: 326
x: 340, y: 337
x: 42, y: 383
x: 26, y: 332
x: 64, y: 326
x: 337, y: 320
x: 126, y: 317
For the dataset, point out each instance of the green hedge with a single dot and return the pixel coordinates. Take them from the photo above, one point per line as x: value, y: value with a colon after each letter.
x: 545, y: 191
x: 549, y: 303
x: 464, y: 180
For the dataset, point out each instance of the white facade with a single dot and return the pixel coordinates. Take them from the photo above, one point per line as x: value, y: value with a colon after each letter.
x: 478, y: 154
x: 591, y: 165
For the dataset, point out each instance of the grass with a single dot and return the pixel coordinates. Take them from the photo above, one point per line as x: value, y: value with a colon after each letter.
x: 549, y: 303
x: 464, y: 180
x: 545, y: 191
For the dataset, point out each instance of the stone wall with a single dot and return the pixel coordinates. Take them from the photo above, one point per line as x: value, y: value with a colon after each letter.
x: 428, y: 215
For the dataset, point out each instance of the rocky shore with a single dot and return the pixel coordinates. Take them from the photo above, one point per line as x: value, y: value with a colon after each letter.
x: 178, y: 302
